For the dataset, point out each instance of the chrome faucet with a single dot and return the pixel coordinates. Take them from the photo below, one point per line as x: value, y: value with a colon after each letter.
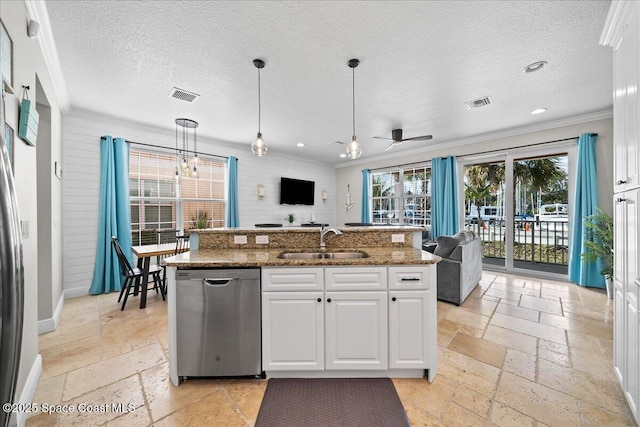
x: 323, y: 234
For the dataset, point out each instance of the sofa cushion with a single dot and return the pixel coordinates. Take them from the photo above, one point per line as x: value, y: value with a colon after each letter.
x: 446, y: 244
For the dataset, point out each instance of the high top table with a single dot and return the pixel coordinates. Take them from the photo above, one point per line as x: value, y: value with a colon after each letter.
x: 144, y: 254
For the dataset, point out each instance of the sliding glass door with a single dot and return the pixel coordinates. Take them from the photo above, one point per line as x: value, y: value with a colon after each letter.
x: 519, y: 203
x: 484, y: 191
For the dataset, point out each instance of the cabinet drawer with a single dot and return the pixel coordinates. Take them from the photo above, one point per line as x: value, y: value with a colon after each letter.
x: 292, y: 279
x: 410, y: 277
x: 355, y: 278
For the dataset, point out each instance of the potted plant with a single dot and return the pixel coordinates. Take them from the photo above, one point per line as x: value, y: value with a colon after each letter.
x: 201, y: 220
x: 290, y: 217
x: 599, y: 244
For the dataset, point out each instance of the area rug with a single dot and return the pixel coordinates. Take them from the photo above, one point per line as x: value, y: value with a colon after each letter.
x: 331, y: 402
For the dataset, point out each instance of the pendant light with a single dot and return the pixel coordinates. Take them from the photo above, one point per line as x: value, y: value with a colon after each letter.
x: 259, y: 147
x: 353, y: 149
x: 188, y: 167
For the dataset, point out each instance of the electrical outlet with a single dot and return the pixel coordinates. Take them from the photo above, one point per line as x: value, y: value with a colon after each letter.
x: 262, y: 240
x: 397, y: 238
x: 240, y: 240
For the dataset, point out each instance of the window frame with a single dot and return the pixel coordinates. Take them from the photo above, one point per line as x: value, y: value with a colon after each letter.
x: 163, y: 175
x: 398, y: 201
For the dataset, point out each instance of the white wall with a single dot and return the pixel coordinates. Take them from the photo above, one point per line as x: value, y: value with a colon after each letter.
x: 28, y: 62
x: 604, y: 148
x: 81, y: 185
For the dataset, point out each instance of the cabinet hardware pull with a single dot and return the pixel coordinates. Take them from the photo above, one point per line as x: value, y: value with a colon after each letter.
x: 319, y: 299
x: 328, y: 299
x: 620, y: 200
x: 410, y: 279
x: 622, y: 181
x: 393, y: 299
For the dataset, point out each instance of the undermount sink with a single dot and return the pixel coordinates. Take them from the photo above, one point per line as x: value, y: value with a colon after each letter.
x: 323, y: 255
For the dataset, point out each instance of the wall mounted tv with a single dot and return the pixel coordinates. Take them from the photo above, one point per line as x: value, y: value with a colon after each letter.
x: 296, y: 191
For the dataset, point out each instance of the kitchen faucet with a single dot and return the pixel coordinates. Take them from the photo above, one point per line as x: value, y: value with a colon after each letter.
x: 324, y: 232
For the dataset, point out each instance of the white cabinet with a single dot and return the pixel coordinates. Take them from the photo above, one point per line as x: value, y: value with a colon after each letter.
x: 356, y: 330
x: 412, y: 302
x: 408, y: 324
x: 622, y: 32
x: 292, y: 345
x: 339, y: 320
x: 626, y: 69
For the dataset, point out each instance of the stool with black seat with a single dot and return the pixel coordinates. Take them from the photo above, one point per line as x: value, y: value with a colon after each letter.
x: 133, y: 276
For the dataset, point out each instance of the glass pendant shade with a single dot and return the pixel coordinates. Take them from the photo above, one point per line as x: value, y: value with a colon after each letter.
x: 259, y: 147
x: 354, y: 150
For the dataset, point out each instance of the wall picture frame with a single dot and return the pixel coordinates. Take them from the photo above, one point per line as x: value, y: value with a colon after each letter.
x: 6, y: 58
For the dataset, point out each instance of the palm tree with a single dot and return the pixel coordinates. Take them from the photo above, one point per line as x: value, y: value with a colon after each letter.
x: 482, y: 180
x: 542, y: 176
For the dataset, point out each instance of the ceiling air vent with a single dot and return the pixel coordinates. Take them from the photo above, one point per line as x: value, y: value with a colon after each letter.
x: 477, y: 103
x: 183, y: 95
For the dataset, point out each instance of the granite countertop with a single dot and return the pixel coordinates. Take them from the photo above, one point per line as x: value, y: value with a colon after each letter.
x: 269, y: 257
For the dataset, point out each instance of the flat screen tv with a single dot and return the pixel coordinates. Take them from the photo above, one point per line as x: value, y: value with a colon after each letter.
x: 296, y: 191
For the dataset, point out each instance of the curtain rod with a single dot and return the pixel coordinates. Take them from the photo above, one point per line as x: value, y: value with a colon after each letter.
x: 486, y: 152
x: 173, y: 149
x: 525, y: 146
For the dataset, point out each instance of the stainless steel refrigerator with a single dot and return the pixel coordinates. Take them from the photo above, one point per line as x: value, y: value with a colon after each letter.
x: 11, y: 278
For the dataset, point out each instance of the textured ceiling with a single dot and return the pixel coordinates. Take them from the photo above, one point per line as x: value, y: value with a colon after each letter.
x: 420, y: 61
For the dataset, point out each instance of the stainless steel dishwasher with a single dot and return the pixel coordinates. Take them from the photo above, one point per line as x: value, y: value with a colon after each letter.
x: 218, y: 322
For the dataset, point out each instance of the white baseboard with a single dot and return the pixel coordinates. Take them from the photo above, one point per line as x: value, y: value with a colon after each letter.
x: 29, y: 390
x: 76, y: 292
x: 49, y: 325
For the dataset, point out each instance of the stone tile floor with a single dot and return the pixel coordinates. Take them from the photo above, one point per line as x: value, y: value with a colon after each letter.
x: 518, y: 352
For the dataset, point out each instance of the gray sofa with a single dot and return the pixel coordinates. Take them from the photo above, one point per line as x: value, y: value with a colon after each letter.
x: 460, y: 270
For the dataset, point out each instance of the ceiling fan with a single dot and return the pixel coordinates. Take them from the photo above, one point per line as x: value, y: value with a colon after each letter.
x: 396, y: 137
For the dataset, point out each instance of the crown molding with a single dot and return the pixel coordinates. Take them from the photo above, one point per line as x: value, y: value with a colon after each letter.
x: 506, y: 133
x: 37, y: 10
x: 619, y: 14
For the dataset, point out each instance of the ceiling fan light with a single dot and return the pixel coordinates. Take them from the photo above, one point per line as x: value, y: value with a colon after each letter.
x: 354, y: 150
x: 259, y: 147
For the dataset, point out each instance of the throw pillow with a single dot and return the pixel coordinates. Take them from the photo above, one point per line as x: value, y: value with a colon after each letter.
x: 446, y: 245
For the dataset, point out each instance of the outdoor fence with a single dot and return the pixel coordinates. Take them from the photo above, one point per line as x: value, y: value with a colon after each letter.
x: 535, y: 242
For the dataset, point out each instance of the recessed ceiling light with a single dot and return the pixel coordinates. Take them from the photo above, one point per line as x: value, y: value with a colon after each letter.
x: 300, y: 144
x: 539, y: 111
x: 536, y: 66
x: 343, y: 155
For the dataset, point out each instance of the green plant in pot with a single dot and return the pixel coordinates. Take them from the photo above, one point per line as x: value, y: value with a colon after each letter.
x: 599, y: 244
x: 290, y: 217
x: 201, y: 220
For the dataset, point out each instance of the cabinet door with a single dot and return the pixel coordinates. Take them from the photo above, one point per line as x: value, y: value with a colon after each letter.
x: 618, y: 332
x: 356, y: 330
x: 410, y: 277
x: 408, y: 330
x: 630, y: 375
x: 355, y: 278
x: 626, y: 105
x: 292, y: 331
x: 292, y: 279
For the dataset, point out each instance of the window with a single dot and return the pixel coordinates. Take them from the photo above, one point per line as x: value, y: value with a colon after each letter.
x: 159, y: 204
x: 402, y: 196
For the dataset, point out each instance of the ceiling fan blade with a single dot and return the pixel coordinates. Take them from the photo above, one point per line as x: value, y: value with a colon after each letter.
x: 382, y: 137
x: 419, y: 138
x: 390, y: 146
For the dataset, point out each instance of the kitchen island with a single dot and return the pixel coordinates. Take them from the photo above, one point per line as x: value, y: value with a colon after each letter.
x: 363, y: 306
